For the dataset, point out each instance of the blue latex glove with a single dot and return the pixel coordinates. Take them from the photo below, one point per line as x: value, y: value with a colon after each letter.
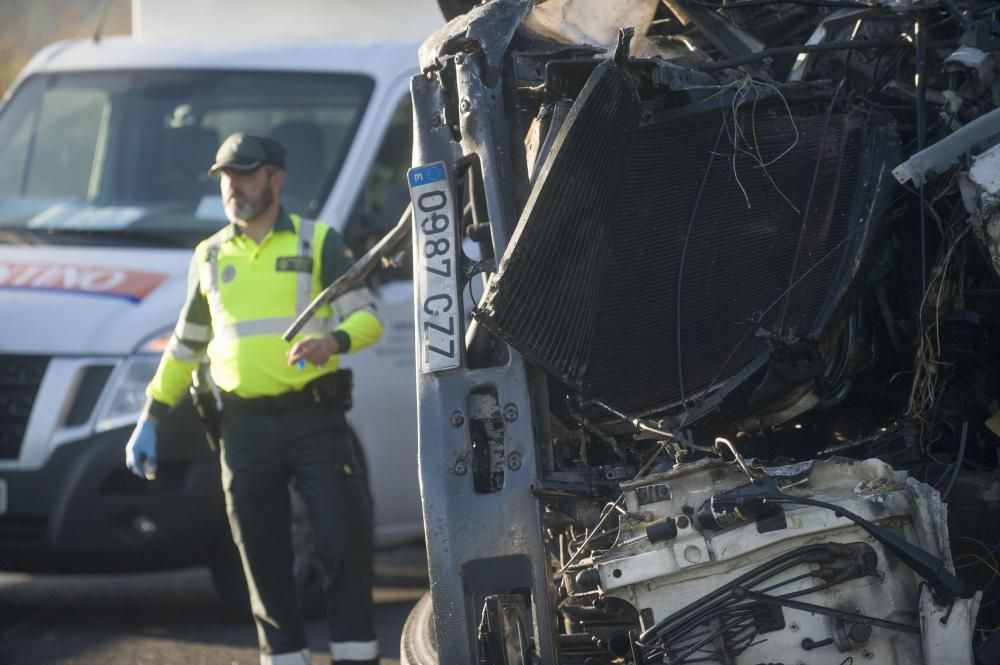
x: 140, y: 453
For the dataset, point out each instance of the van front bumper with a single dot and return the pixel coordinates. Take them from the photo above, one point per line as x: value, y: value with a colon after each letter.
x: 83, y: 511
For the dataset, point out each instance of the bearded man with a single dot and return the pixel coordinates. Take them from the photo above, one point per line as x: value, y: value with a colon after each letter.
x: 283, y: 409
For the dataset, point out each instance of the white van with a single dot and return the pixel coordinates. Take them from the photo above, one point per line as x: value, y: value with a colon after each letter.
x: 104, y: 192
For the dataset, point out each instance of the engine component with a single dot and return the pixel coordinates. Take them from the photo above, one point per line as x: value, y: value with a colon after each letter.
x: 717, y: 590
x: 720, y: 512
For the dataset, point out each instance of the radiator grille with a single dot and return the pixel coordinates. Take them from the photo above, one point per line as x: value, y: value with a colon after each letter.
x: 649, y: 259
x: 555, y: 267
x: 20, y: 377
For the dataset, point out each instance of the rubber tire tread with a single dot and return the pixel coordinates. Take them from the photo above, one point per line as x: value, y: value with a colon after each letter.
x: 418, y: 642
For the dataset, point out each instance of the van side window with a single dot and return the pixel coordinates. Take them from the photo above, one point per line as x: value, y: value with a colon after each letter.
x: 313, y: 136
x: 54, y: 148
x: 384, y: 195
x: 15, y: 138
x: 132, y: 148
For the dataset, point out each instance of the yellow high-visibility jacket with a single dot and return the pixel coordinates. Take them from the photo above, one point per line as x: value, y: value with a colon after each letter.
x: 241, y: 298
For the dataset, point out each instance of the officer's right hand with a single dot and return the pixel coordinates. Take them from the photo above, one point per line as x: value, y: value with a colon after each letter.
x: 140, y: 452
x: 316, y: 350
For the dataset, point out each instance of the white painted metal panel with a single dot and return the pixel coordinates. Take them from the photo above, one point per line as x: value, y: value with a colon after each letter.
x: 229, y: 20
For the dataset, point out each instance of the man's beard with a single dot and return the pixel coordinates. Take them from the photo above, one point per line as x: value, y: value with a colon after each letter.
x: 245, y: 209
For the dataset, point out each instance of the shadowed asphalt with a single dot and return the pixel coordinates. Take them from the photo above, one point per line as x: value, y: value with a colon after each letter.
x: 171, y: 618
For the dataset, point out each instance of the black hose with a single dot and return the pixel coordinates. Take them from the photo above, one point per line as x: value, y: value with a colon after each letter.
x: 958, y: 461
x: 716, y: 602
x: 725, y: 628
x: 923, y: 563
x: 710, y: 601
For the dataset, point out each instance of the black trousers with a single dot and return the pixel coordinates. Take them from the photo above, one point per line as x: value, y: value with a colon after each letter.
x: 262, y: 449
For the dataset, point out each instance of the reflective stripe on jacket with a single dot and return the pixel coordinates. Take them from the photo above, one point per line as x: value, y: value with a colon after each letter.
x: 241, y: 298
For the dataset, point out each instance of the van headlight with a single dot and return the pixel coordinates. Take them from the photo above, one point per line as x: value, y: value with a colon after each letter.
x: 126, y: 393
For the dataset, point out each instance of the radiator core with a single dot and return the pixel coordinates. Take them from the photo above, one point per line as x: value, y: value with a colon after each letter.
x: 655, y: 259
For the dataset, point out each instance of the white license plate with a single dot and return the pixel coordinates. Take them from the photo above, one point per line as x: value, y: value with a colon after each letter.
x: 438, y: 305
x: 3, y: 496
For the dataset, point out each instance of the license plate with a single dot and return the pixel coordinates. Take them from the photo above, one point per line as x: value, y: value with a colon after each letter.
x: 3, y: 496
x: 438, y: 305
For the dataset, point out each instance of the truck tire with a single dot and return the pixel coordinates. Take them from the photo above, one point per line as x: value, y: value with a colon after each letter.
x: 418, y: 643
x: 227, y: 570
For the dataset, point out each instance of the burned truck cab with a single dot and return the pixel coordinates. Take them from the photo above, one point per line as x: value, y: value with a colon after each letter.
x: 696, y: 370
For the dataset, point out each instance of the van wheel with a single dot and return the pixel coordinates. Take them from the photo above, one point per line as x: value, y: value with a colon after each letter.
x: 227, y: 568
x: 418, y: 643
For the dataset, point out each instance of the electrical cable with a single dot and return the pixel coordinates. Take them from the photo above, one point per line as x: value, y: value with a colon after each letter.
x: 920, y: 28
x: 732, y: 597
x: 958, y: 462
x: 697, y: 646
x: 919, y: 560
x: 680, y: 269
x: 649, y: 426
x: 683, y: 617
x: 690, y: 647
x: 813, y: 589
x: 803, y: 576
x: 829, y: 611
x: 820, y: 160
x: 645, y: 467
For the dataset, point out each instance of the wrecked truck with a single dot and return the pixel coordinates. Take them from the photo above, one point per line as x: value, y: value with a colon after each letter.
x: 707, y: 315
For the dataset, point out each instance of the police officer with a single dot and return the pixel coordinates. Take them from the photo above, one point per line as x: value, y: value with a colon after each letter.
x: 283, y: 410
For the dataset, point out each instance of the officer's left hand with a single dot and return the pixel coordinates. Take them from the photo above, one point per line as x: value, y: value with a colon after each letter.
x: 140, y: 452
x: 316, y: 350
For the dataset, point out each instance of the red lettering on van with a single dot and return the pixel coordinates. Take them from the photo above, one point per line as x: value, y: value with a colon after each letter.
x: 133, y: 285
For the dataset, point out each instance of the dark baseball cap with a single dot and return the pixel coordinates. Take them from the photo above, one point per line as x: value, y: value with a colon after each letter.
x: 246, y: 152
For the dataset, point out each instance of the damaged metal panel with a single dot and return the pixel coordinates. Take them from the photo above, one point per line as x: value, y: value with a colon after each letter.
x: 947, y: 629
x: 982, y: 184
x: 489, y: 27
x: 476, y: 464
x: 946, y: 153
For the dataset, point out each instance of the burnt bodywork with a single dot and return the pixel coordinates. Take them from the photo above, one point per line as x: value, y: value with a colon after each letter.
x: 714, y: 248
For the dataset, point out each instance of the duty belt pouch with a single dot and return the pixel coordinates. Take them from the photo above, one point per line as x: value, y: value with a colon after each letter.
x: 206, y: 404
x: 336, y: 388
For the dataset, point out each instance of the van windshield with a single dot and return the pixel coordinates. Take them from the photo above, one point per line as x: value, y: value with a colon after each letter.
x: 128, y: 152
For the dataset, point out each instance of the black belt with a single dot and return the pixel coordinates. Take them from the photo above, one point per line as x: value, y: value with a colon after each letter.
x: 333, y: 389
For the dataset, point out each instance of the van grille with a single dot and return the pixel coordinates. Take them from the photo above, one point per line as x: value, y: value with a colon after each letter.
x: 20, y: 377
